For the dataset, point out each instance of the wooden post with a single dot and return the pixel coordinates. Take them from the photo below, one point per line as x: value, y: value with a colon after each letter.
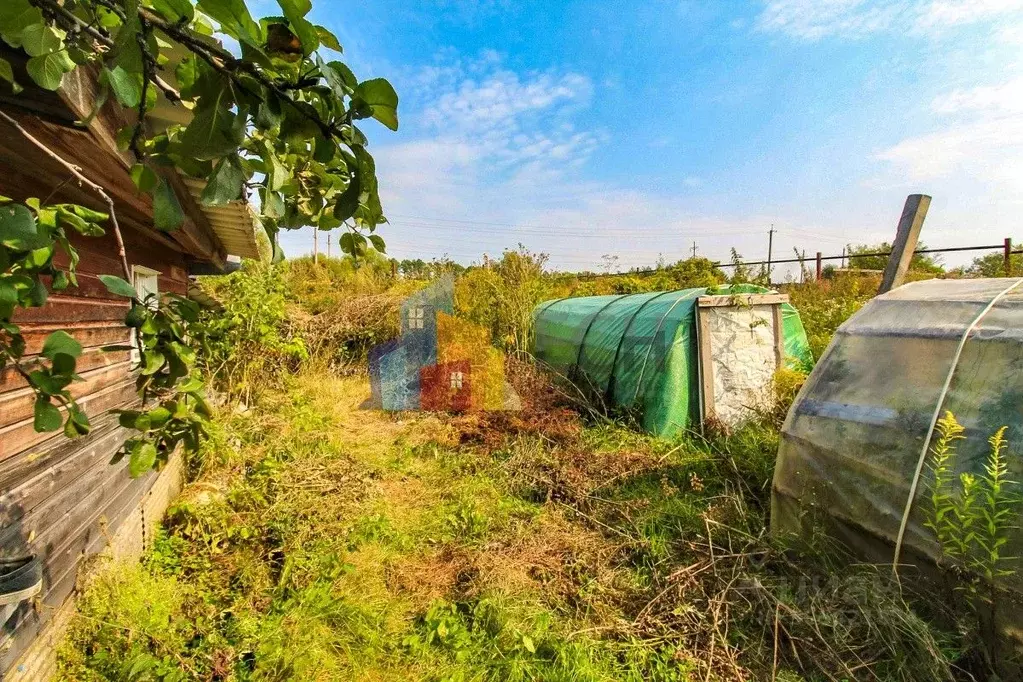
x: 779, y: 336
x: 706, y: 363
x: 820, y: 270
x: 906, y: 237
x: 1007, y: 250
x: 316, y: 244
x: 328, y: 246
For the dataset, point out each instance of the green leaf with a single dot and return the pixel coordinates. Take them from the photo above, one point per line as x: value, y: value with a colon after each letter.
x: 15, y: 17
x: 7, y: 74
x: 167, y: 212
x: 38, y: 258
x: 60, y: 342
x: 127, y: 85
x: 382, y: 99
x: 144, y: 177
x: 339, y: 77
x: 136, y: 317
x: 40, y: 39
x: 77, y: 423
x: 212, y: 132
x: 295, y: 11
x: 347, y: 243
x: 47, y: 383
x: 18, y: 228
x: 328, y: 39
x: 269, y: 113
x: 234, y: 19
x: 378, y: 242
x: 48, y: 70
x: 37, y: 294
x: 175, y: 10
x: 226, y: 183
x: 118, y: 286
x: 158, y: 416
x: 347, y: 203
x: 152, y: 361
x: 143, y: 457
x: 47, y: 416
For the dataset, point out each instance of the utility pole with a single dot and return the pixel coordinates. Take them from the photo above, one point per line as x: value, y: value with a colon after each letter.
x: 843, y: 258
x: 694, y: 249
x: 316, y: 245
x: 770, y: 244
x: 328, y: 246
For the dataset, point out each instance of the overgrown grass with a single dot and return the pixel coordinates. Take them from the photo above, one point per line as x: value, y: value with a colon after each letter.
x: 326, y: 543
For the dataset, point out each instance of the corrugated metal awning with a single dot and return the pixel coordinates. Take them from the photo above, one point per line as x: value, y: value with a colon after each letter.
x: 235, y: 223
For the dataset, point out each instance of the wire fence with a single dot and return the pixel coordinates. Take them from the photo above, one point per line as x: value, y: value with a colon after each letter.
x: 1005, y: 247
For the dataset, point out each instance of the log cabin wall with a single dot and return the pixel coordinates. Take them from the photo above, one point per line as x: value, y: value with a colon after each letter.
x: 62, y: 499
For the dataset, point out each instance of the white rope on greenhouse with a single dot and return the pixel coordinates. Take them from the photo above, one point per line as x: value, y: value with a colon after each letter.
x: 934, y: 419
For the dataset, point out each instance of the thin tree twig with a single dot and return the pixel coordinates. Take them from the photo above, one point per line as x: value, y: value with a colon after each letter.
x: 82, y: 180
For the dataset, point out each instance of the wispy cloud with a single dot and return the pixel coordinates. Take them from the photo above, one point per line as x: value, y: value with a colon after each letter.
x: 817, y: 19
x: 981, y: 139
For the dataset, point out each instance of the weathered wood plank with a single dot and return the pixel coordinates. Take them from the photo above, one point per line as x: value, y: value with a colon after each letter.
x: 21, y: 436
x: 51, y: 475
x: 61, y: 570
x: 18, y: 405
x: 53, y: 523
x: 779, y: 337
x: 706, y: 363
x: 90, y: 359
x: 89, y: 334
x: 64, y: 309
x: 741, y: 299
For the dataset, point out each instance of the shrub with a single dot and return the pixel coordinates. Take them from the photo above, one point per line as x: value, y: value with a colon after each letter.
x: 248, y: 343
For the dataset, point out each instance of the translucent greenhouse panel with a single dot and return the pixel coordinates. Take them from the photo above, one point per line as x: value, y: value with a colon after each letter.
x: 853, y: 438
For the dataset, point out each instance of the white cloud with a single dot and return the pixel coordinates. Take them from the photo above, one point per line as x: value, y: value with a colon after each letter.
x: 816, y: 19
x: 1006, y: 97
x: 982, y: 139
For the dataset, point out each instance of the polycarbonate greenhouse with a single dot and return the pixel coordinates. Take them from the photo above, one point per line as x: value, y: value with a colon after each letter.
x: 855, y: 437
x: 645, y: 353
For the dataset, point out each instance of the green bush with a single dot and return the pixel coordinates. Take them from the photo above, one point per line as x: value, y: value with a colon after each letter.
x: 248, y: 343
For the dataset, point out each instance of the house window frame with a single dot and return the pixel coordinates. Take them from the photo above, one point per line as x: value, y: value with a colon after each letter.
x: 457, y: 378
x: 417, y: 317
x: 137, y: 273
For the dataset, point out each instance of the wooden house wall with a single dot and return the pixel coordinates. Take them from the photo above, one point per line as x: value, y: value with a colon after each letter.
x: 63, y: 499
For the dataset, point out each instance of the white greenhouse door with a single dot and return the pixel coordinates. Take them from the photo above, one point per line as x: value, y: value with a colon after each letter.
x: 741, y: 346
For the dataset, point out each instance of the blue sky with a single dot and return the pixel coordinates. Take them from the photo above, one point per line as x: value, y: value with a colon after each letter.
x: 589, y: 128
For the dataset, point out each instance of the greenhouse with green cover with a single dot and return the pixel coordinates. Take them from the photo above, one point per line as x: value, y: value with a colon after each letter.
x: 674, y: 358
